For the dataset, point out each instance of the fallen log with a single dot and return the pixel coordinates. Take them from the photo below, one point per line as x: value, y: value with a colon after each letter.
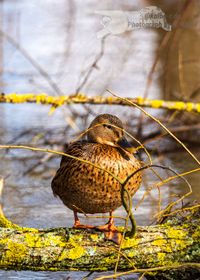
x: 172, y: 244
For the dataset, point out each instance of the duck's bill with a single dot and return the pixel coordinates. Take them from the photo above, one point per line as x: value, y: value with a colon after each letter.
x: 123, y: 143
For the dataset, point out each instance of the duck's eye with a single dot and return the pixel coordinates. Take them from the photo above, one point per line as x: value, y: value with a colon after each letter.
x: 109, y: 126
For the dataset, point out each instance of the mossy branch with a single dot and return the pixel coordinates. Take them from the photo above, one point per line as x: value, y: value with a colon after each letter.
x: 80, y: 98
x: 176, y: 242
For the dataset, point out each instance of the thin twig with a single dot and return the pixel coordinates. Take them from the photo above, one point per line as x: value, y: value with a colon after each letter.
x: 92, y: 67
x: 154, y: 269
x: 33, y: 62
x: 161, y: 124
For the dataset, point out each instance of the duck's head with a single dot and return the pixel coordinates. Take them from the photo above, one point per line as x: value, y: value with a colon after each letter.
x: 107, y: 129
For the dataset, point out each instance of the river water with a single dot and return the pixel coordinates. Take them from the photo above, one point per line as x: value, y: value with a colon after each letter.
x: 55, y: 42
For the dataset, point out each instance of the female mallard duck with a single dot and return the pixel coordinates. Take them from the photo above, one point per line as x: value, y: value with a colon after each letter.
x: 86, y: 189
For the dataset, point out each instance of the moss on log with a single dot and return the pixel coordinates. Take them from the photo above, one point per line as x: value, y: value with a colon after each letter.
x: 80, y: 98
x: 175, y: 242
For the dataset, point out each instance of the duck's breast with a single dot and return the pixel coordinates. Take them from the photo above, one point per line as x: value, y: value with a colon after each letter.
x: 89, y: 188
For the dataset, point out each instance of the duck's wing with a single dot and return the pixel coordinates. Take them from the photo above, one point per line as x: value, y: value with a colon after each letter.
x: 72, y: 150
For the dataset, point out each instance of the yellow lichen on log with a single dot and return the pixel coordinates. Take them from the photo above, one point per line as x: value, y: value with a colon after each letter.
x: 65, y: 249
x: 81, y: 98
x: 174, y: 242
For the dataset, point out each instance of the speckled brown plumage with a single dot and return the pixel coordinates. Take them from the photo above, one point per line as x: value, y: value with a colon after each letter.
x: 86, y: 189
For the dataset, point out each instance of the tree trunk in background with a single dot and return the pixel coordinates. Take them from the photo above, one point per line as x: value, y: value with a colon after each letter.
x: 181, y: 55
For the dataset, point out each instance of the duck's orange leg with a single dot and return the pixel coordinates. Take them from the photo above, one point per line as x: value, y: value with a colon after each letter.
x: 110, y: 231
x: 77, y: 223
x: 109, y: 226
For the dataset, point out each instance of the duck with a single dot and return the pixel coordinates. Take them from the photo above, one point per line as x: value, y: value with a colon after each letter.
x: 89, y: 176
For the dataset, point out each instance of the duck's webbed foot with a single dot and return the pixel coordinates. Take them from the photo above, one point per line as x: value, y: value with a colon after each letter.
x: 110, y: 231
